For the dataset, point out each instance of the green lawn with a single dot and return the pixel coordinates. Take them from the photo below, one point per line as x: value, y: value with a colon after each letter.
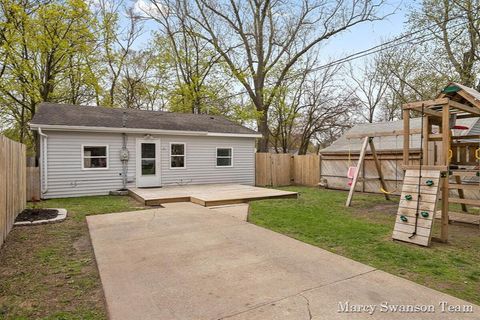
x: 49, y: 271
x: 363, y: 233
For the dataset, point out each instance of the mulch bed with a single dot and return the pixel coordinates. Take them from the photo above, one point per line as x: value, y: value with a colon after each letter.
x: 36, y: 214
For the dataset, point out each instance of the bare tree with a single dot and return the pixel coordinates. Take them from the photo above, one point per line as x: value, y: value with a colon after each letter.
x: 325, y: 107
x: 261, y: 40
x: 116, y: 42
x: 369, y: 88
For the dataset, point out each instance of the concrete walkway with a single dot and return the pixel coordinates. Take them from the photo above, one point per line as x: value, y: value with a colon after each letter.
x: 185, y: 262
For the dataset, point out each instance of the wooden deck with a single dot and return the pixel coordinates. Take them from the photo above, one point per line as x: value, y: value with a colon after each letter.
x: 207, y: 195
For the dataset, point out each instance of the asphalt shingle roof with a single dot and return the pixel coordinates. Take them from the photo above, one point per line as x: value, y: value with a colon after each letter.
x: 93, y: 116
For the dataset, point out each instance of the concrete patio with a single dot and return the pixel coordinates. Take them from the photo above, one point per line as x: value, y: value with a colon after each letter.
x: 186, y: 261
x: 207, y: 194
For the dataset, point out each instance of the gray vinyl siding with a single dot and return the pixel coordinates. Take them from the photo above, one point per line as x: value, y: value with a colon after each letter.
x: 67, y: 179
x: 201, y: 161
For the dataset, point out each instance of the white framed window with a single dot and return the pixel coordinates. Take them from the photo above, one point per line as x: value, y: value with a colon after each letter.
x: 224, y: 157
x: 94, y: 157
x: 177, y: 155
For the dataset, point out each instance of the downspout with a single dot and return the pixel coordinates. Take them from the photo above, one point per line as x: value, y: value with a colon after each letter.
x: 43, y: 161
x: 124, y: 158
x: 124, y: 153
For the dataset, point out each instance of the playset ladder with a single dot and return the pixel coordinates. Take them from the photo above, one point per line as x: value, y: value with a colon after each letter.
x: 422, y: 194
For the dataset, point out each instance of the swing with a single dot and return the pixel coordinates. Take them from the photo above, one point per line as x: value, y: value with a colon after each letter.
x: 352, y: 171
x: 396, y: 171
x: 351, y: 174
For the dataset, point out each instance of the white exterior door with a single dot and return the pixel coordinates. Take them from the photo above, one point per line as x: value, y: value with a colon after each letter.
x: 148, y: 163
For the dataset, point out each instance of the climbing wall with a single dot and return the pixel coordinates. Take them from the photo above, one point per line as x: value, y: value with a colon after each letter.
x: 428, y: 192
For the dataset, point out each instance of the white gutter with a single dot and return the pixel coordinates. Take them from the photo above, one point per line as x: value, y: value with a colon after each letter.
x: 43, y: 161
x: 141, y: 131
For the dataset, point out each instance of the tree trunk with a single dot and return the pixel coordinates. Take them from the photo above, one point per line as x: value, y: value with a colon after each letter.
x: 302, y: 150
x: 263, y: 129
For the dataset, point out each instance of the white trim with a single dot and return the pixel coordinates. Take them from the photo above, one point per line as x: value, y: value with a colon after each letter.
x: 231, y: 157
x: 142, y: 131
x: 138, y: 161
x: 95, y: 145
x: 176, y: 155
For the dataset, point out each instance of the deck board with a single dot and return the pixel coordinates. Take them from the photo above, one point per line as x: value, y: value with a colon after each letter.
x: 207, y: 195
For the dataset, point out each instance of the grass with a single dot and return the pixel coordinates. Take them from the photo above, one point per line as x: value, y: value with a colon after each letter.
x: 363, y: 233
x: 49, y: 271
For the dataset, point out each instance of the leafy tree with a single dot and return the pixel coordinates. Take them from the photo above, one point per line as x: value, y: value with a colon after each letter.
x: 44, y: 47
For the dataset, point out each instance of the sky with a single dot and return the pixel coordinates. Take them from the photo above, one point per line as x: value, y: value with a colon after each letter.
x: 358, y: 38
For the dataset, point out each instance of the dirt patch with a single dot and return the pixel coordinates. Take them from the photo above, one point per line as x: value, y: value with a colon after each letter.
x: 36, y: 215
x: 82, y: 243
x: 48, y: 271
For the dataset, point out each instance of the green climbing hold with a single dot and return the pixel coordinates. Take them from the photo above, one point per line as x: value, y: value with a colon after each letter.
x: 424, y: 214
x: 429, y: 183
x: 478, y: 173
x: 408, y: 197
x: 403, y: 218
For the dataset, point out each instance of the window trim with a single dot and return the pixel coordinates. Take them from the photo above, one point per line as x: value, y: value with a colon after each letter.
x: 184, y: 156
x: 95, y: 145
x: 231, y: 157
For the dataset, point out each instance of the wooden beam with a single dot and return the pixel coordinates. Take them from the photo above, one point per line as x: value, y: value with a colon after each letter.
x: 469, y: 97
x: 424, y: 167
x: 463, y: 186
x: 461, y: 195
x: 425, y: 133
x: 406, y: 137
x: 357, y: 172
x: 378, y: 165
x: 381, y: 133
x: 473, y: 202
x: 445, y: 191
x: 464, y: 107
x: 428, y: 111
x: 426, y: 103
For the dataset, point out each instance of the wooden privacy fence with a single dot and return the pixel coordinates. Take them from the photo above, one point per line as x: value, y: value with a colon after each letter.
x: 12, y: 183
x: 272, y: 169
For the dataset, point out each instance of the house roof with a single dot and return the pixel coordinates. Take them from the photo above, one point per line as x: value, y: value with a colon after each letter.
x: 93, y: 118
x: 389, y: 143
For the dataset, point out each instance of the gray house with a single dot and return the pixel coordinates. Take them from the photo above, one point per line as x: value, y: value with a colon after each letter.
x: 87, y: 150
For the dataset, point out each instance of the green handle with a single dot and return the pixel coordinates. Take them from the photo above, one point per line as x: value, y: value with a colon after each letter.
x: 424, y: 214
x: 408, y: 197
x: 403, y: 218
x: 429, y: 183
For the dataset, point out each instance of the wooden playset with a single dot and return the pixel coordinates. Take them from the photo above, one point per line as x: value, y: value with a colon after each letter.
x: 448, y: 169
